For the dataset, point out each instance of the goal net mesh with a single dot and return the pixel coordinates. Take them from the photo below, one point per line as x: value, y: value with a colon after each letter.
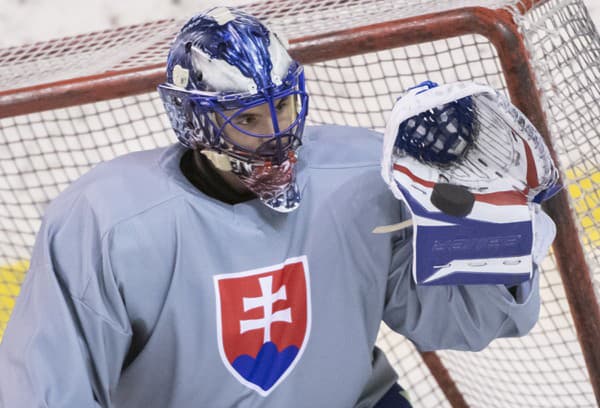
x: 42, y: 152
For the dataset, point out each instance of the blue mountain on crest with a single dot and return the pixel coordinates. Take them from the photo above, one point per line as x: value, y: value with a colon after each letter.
x: 268, y: 366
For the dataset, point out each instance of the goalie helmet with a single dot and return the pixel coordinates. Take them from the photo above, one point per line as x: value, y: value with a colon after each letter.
x: 222, y: 64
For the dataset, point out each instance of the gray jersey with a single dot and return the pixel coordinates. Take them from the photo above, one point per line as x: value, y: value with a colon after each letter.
x: 144, y: 292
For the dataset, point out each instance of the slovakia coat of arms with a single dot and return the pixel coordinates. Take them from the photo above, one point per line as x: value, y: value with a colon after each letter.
x: 263, y: 322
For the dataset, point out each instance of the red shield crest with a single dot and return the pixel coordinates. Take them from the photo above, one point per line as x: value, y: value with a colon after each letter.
x: 263, y: 322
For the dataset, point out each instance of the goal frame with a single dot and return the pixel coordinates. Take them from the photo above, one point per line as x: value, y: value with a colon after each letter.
x: 496, y: 25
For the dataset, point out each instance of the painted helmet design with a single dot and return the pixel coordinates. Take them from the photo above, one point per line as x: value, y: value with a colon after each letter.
x: 222, y: 64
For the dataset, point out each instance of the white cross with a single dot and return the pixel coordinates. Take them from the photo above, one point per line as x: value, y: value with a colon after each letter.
x: 265, y: 301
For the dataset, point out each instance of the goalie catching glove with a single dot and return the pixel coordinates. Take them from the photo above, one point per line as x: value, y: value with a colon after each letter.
x: 473, y: 171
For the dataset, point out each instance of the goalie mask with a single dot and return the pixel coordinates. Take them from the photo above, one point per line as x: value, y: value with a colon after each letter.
x: 223, y: 65
x: 472, y: 170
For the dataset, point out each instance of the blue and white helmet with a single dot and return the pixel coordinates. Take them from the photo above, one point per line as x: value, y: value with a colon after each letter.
x: 223, y: 63
x: 223, y: 60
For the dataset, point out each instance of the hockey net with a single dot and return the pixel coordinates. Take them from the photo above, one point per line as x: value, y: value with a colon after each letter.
x: 67, y: 104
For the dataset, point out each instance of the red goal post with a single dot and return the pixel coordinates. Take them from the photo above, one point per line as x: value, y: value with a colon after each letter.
x: 67, y: 104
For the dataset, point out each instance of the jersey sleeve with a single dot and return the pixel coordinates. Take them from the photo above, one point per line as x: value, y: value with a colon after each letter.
x: 67, y: 338
x: 454, y: 317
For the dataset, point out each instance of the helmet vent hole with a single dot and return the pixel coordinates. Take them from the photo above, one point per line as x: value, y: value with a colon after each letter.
x: 188, y: 47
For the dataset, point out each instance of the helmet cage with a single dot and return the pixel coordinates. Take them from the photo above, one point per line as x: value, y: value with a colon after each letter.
x: 193, y: 115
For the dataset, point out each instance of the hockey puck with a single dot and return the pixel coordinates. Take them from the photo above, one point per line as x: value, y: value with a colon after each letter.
x: 452, y: 199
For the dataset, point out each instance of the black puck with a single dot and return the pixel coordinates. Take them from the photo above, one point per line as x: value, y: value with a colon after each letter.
x: 452, y: 199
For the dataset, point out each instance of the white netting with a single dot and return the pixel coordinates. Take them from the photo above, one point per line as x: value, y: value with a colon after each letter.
x: 147, y: 44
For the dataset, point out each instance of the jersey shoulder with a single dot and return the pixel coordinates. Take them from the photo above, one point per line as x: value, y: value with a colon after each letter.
x: 342, y: 164
x: 332, y: 146
x: 117, y: 189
